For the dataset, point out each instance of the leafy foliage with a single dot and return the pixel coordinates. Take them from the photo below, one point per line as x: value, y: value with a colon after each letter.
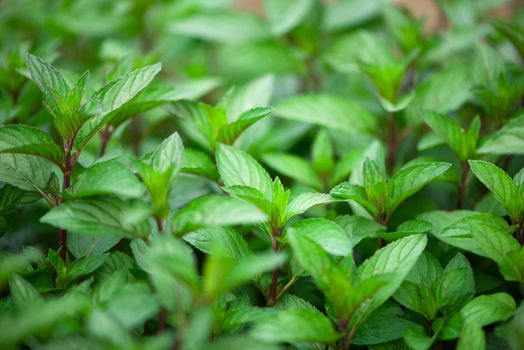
x: 308, y: 175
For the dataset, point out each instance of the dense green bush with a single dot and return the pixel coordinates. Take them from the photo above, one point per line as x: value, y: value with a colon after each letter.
x: 317, y: 177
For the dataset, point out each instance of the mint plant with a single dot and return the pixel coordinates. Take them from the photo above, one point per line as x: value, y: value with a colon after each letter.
x: 303, y: 175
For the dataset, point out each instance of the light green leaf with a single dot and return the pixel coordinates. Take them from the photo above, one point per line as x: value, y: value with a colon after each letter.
x: 284, y: 15
x: 230, y: 132
x: 221, y: 26
x: 330, y: 278
x: 199, y: 163
x: 326, y: 234
x: 233, y: 243
x: 293, y: 167
x: 305, y: 201
x: 255, y: 93
x: 443, y: 92
x: 462, y: 143
x: 169, y: 155
x: 502, y: 186
x: 458, y: 232
x: 396, y: 259
x: 358, y: 227
x: 22, y: 292
x: 471, y: 337
x: 222, y: 273
x: 507, y: 140
x: 326, y: 110
x: 456, y: 286
x: 483, y: 310
x: 388, y: 319
x: 355, y: 193
x: 24, y: 139
x: 27, y: 172
x: 63, y: 103
x: 411, y: 179
x: 109, y: 177
x: 294, y: 326
x: 113, y: 96
x: 236, y: 61
x: 101, y: 216
x: 501, y: 247
x: 36, y: 317
x: 237, y: 168
x: 215, y: 210
x: 418, y: 298
x: 18, y: 263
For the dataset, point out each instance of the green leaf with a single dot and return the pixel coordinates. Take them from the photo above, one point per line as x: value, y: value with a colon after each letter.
x: 168, y: 156
x: 502, y: 186
x: 199, y: 163
x: 24, y: 139
x: 443, y: 92
x: 355, y: 193
x: 395, y: 259
x: 132, y: 304
x: 223, y: 273
x: 113, y: 96
x: 418, y: 298
x: 17, y: 263
x: 326, y: 110
x: 63, y: 103
x: 388, y: 319
x: 330, y: 278
x: 215, y: 210
x: 293, y: 167
x: 81, y: 245
x: 48, y: 79
x: 235, y: 246
x: 109, y: 177
x: 294, y: 326
x: 471, y: 337
x: 230, y: 132
x: 22, y: 292
x: 237, y: 168
x: 410, y: 179
x: 37, y: 317
x: 326, y: 234
x: 101, y: 216
x: 241, y: 99
x: 358, y: 228
x: 322, y: 153
x: 507, y: 140
x: 483, y: 310
x: 500, y: 246
x: 456, y: 286
x: 463, y: 143
x: 284, y: 15
x: 458, y: 232
x: 305, y: 201
x: 221, y: 26
x: 28, y: 173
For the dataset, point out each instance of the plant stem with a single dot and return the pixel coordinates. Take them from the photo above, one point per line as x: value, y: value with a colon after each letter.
x: 272, y: 296
x: 342, y: 329
x: 105, y: 136
x: 391, y: 142
x: 461, y: 189
x: 159, y: 225
x: 68, y: 170
x: 162, y: 315
x: 286, y: 287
